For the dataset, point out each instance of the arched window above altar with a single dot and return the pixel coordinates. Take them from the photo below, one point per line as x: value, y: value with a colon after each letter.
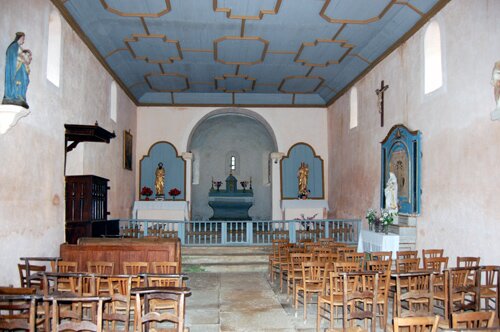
x: 232, y: 163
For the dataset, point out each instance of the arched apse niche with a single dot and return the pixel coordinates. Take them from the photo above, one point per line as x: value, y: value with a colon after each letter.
x: 213, y: 139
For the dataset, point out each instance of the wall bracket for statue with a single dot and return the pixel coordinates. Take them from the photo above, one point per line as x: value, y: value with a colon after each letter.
x: 401, y: 155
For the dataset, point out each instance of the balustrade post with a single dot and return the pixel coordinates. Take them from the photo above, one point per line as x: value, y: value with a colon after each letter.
x: 181, y: 231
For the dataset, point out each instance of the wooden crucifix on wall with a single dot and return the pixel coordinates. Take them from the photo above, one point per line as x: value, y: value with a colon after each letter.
x: 380, y: 95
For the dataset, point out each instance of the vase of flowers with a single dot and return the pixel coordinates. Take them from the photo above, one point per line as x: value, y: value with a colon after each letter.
x: 371, y: 216
x: 146, y: 191
x: 386, y: 219
x: 174, y: 192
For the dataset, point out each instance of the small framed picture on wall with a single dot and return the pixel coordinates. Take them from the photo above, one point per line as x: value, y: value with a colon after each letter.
x: 127, y: 150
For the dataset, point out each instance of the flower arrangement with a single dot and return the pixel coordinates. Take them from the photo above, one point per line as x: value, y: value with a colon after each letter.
x: 386, y: 217
x: 146, y: 191
x: 174, y: 192
x: 371, y: 216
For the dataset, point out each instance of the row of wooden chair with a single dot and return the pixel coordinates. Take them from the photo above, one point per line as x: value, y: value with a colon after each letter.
x: 416, y: 300
x: 100, y: 267
x: 472, y: 321
x: 76, y: 300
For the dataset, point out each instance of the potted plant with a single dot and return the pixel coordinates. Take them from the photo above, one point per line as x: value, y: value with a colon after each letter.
x: 371, y: 216
x: 146, y: 191
x: 174, y: 192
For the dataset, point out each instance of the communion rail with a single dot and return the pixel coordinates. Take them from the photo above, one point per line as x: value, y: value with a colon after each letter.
x: 225, y: 233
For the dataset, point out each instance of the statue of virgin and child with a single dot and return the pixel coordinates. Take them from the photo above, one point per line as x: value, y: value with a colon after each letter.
x: 17, y: 70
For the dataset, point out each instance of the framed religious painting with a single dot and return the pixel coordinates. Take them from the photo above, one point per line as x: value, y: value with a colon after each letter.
x: 401, y: 155
x: 127, y: 150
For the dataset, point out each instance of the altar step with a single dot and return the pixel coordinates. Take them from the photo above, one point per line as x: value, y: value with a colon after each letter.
x: 225, y: 259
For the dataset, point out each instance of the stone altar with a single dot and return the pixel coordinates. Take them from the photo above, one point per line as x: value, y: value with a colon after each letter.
x: 231, y: 203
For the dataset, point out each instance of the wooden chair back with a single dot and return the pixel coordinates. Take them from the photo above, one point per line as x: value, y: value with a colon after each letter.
x: 379, y: 265
x: 100, y: 267
x: 164, y: 280
x: 407, y: 264
x: 165, y: 267
x: 381, y: 255
x: 343, y: 250
x: 18, y: 308
x: 135, y: 267
x: 326, y: 257
x: 463, y: 289
x: 428, y: 253
x: 490, y: 288
x: 95, y: 325
x: 358, y: 299
x: 118, y: 309
x: 346, y: 267
x: 403, y: 254
x: 419, y: 295
x: 143, y: 297
x: 436, y: 264
x: 326, y: 241
x: 416, y: 324
x: 472, y: 320
x: 358, y: 257
x: 468, y: 261
x: 33, y: 269
x: 67, y: 266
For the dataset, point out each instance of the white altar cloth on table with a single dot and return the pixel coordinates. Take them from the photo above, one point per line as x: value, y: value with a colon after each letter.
x: 369, y: 241
x: 296, y: 208
x: 161, y: 210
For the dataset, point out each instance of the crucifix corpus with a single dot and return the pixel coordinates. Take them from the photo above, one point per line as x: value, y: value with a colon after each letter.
x: 380, y: 95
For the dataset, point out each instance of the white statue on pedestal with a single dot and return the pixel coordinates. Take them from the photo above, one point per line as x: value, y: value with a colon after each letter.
x: 391, y: 194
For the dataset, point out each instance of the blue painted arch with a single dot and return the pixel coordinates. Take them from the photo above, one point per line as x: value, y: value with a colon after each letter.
x: 298, y: 153
x: 175, y: 169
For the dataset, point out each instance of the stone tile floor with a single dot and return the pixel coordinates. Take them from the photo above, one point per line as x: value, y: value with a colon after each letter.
x: 244, y: 302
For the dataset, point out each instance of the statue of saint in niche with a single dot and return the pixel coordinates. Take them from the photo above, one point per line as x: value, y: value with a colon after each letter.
x: 302, y: 176
x: 160, y: 180
x: 391, y: 194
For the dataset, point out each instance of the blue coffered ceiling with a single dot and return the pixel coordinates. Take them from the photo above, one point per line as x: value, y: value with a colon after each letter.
x: 242, y: 52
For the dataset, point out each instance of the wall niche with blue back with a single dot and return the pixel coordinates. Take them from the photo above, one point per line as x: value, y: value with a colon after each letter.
x: 290, y: 164
x: 175, y: 169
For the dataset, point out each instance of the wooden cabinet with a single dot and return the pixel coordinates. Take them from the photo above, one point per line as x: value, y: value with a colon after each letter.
x: 86, y: 202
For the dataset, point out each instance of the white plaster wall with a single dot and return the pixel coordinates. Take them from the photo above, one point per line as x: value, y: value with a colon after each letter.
x: 459, y: 141
x: 175, y: 124
x: 32, y: 210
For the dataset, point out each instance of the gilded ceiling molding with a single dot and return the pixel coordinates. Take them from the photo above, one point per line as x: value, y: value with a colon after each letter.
x: 253, y: 38
x: 150, y: 75
x: 226, y: 76
x: 343, y: 44
x: 167, y: 9
x: 135, y: 38
x: 319, y: 78
x: 262, y: 12
x: 350, y: 21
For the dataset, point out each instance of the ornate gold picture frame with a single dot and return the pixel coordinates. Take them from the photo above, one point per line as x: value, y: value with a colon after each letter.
x: 127, y: 149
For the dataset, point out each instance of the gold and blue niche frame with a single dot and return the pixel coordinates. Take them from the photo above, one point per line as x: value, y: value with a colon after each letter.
x: 401, y: 155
